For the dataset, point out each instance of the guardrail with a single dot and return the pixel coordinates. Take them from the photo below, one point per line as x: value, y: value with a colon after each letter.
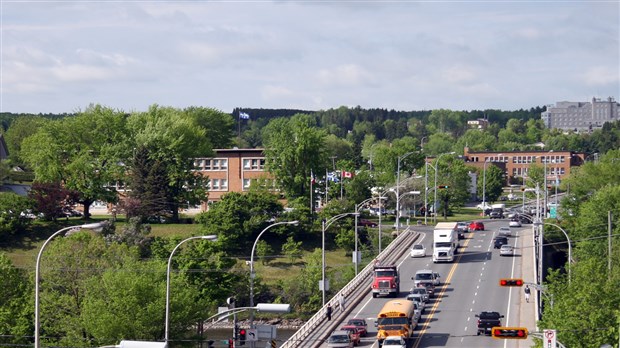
x: 353, y: 291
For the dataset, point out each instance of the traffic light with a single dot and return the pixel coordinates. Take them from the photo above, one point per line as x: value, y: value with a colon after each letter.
x: 509, y: 332
x: 443, y: 186
x: 510, y: 282
x: 242, y: 337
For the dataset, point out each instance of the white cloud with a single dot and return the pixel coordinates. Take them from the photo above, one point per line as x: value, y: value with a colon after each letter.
x: 601, y: 75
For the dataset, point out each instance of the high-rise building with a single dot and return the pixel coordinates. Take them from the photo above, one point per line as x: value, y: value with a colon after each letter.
x: 581, y: 116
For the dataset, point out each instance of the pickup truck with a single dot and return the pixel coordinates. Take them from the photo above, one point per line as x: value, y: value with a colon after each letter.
x: 488, y: 320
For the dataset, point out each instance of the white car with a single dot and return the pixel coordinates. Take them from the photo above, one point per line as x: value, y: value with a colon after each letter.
x: 418, y: 250
x: 514, y: 223
x: 504, y: 231
x: 394, y: 342
x: 506, y: 250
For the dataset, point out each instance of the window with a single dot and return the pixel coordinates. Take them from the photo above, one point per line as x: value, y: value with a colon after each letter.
x: 254, y: 164
x: 246, y: 184
x: 218, y: 184
x: 215, y: 164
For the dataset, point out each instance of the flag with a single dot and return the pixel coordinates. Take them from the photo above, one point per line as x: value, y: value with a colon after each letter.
x: 244, y: 116
x: 332, y: 177
x: 346, y: 174
x: 312, y: 180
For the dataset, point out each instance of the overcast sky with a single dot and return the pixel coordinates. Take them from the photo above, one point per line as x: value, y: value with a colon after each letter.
x: 61, y: 56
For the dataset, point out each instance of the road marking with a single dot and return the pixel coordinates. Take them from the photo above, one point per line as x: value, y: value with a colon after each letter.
x: 439, y: 296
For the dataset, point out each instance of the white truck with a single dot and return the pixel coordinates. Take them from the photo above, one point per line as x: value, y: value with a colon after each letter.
x: 445, y: 242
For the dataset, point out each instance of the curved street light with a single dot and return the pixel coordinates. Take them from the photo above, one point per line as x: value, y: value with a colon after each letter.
x: 400, y: 158
x: 570, y: 257
x: 167, y: 326
x: 325, y: 225
x: 252, y: 275
x: 37, y: 320
x: 357, y: 206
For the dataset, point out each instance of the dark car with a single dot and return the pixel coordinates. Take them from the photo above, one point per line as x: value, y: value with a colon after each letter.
x: 499, y: 241
x: 366, y: 223
x: 496, y: 213
x: 462, y: 228
x: 488, y: 320
x: 476, y: 226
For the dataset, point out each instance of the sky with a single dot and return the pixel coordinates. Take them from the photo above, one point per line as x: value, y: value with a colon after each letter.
x: 62, y: 56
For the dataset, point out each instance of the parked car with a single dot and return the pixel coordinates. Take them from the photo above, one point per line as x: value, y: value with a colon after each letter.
x: 354, y: 332
x: 418, y: 250
x: 514, y: 223
x: 340, y: 339
x: 504, y: 231
x: 499, y: 241
x: 361, y: 325
x: 366, y: 223
x: 394, y: 342
x: 476, y: 226
x: 506, y: 250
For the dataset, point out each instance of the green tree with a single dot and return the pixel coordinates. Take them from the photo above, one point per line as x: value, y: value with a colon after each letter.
x: 495, y: 183
x: 12, y: 221
x: 264, y: 251
x: 16, y: 309
x: 292, y: 249
x: 20, y: 129
x: 294, y: 147
x: 452, y: 172
x: 84, y: 153
x: 171, y: 139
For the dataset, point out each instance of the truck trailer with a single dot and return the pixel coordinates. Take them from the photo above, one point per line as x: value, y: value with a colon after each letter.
x: 445, y: 242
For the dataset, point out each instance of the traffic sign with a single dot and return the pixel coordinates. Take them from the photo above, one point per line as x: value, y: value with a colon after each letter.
x: 549, y: 338
x: 251, y: 335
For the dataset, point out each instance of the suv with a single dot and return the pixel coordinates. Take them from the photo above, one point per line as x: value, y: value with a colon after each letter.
x: 426, y: 276
x: 488, y: 320
x: 366, y: 223
x: 499, y: 241
x: 496, y: 213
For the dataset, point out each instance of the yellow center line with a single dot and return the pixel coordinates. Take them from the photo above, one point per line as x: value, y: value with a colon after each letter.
x: 450, y: 274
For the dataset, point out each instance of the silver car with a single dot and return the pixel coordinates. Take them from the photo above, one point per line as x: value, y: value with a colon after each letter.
x: 504, y: 231
x: 506, y: 250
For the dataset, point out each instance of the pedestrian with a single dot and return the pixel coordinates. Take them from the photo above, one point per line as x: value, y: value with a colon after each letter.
x: 527, y: 293
x: 341, y: 302
x: 328, y: 312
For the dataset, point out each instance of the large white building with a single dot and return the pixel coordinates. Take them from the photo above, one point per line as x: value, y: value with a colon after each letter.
x: 581, y: 116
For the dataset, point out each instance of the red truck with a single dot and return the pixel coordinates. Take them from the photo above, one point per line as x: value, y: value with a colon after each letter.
x: 385, y: 281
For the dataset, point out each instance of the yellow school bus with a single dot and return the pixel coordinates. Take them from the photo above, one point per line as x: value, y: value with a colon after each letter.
x: 396, y: 318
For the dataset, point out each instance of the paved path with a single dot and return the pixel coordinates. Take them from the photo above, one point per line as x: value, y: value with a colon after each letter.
x: 527, y: 311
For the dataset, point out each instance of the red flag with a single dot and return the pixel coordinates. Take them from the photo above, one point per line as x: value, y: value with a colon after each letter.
x: 312, y: 180
x: 346, y: 174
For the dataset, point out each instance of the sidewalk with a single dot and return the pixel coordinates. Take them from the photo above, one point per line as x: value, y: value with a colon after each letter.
x: 527, y: 311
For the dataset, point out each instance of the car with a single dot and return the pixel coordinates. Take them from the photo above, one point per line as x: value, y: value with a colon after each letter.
x: 504, y: 231
x: 514, y: 223
x: 487, y: 321
x: 430, y: 288
x: 496, y: 213
x: 499, y: 241
x: 476, y: 226
x: 361, y: 325
x: 420, y: 303
x: 426, y: 275
x: 418, y: 250
x: 462, y: 228
x: 394, y: 342
x: 354, y: 332
x: 506, y: 250
x: 366, y: 223
x: 340, y: 339
x: 421, y: 291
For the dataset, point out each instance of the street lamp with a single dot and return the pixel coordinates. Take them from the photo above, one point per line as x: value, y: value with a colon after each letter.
x: 570, y: 257
x: 252, y: 275
x: 436, y: 171
x: 324, y: 225
x: 167, y: 328
x: 37, y: 320
x: 398, y: 186
x: 357, y: 206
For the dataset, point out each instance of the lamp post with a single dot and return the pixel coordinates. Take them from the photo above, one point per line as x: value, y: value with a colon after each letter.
x: 398, y: 186
x: 324, y: 225
x: 167, y: 328
x: 570, y: 257
x: 252, y: 275
x: 357, y: 206
x: 436, y: 171
x: 37, y: 320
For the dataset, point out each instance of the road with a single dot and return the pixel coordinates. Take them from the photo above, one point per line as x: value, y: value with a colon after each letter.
x: 469, y: 285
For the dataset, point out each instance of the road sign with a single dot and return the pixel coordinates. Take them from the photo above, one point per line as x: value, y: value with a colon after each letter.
x: 549, y: 337
x: 251, y: 335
